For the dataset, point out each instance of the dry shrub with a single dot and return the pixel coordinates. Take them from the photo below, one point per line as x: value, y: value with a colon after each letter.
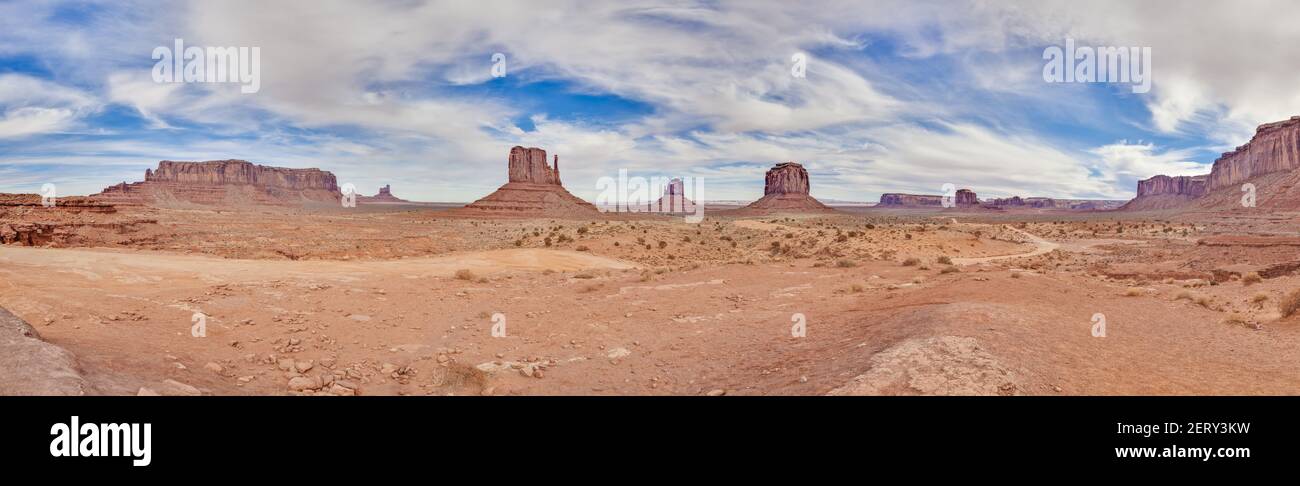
x: 1251, y: 278
x: 911, y: 262
x: 1289, y: 304
x: 464, y: 274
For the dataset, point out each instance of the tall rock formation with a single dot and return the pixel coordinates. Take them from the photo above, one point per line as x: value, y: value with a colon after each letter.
x: 225, y: 182
x: 1270, y: 160
x: 786, y: 189
x: 674, y: 199
x: 532, y: 189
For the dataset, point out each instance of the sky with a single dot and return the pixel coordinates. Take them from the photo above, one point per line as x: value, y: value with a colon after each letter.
x: 897, y: 96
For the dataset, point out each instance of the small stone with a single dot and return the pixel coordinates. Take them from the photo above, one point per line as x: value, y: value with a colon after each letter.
x: 303, y: 366
x: 213, y: 367
x: 717, y: 393
x: 300, y: 383
x: 178, y: 388
x: 145, y: 392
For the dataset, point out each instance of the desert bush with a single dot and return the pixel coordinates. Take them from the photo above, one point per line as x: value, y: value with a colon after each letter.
x: 1259, y: 298
x: 911, y: 262
x: 1184, y: 295
x: 1289, y: 304
x: 464, y: 274
x: 1251, y: 278
x: 1133, y: 292
x: 945, y: 260
x: 585, y: 275
x: 584, y: 247
x: 845, y: 263
x: 949, y: 270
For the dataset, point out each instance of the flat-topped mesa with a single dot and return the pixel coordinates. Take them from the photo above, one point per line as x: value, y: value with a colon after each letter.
x: 241, y: 172
x: 529, y: 165
x: 785, y: 189
x: 225, y: 182
x: 1188, y: 186
x: 913, y: 200
x: 533, y: 189
x: 964, y: 197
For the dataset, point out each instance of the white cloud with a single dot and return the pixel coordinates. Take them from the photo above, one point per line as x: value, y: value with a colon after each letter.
x: 30, y: 106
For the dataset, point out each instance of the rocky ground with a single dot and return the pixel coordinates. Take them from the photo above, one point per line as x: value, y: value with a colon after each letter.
x: 404, y: 300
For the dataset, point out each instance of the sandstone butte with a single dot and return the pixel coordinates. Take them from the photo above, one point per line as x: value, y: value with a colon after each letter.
x: 785, y: 189
x: 1269, y: 160
x: 533, y: 189
x: 674, y: 199
x: 225, y: 182
x: 385, y: 196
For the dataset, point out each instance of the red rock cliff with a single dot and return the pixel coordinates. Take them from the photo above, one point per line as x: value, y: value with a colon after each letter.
x: 786, y: 178
x: 529, y: 165
x: 1274, y: 148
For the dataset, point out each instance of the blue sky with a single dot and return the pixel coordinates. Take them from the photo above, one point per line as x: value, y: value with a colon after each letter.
x: 898, y: 97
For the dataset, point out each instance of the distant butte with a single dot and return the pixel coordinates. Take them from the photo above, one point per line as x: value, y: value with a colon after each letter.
x: 385, y: 196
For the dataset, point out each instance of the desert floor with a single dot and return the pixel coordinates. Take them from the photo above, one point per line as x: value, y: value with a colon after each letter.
x: 404, y: 300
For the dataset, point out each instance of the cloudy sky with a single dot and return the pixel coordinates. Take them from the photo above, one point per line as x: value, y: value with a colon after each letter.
x: 898, y: 96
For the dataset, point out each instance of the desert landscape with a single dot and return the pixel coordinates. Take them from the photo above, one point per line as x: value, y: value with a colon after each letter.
x: 533, y: 291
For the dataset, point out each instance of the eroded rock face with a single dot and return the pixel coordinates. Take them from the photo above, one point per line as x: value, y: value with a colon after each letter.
x: 1190, y: 186
x: 71, y: 221
x: 786, y: 178
x: 226, y: 182
x: 966, y: 197
x: 1274, y: 148
x: 529, y: 165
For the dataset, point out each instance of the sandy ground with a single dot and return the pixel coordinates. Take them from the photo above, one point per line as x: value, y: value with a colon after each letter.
x: 887, y: 304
